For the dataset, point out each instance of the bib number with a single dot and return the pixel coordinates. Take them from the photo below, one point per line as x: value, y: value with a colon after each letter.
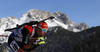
x: 14, y: 46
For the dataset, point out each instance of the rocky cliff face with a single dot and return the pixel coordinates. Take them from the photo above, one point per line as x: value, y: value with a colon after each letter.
x: 82, y: 26
x: 60, y: 17
x: 63, y: 17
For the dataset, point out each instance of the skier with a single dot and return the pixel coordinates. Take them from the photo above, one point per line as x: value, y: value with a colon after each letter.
x: 28, y: 37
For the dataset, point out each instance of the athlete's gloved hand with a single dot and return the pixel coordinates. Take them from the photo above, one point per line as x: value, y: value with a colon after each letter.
x: 40, y: 41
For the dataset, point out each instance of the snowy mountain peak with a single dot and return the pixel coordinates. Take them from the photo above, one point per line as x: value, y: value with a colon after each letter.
x: 61, y: 19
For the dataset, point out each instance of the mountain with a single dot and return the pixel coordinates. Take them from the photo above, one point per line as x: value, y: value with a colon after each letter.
x: 61, y: 23
x: 67, y: 41
x: 34, y: 14
x: 61, y: 19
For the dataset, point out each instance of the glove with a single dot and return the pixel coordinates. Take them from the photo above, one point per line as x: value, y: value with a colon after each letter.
x: 40, y: 41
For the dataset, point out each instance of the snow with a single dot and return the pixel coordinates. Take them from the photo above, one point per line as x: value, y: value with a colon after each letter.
x: 51, y: 24
x: 56, y: 30
x: 76, y: 30
x: 61, y: 24
x: 72, y: 25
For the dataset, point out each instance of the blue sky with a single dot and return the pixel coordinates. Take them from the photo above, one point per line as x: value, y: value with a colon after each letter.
x: 79, y: 11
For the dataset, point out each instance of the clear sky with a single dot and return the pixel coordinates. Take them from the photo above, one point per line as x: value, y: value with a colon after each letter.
x: 78, y: 11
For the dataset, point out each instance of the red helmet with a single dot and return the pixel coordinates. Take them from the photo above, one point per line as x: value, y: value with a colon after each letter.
x: 42, y: 25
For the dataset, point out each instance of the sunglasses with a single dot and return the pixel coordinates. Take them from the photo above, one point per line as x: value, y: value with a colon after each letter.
x: 43, y: 29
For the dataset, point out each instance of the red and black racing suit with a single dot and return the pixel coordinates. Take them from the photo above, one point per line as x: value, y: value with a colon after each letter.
x: 27, y: 41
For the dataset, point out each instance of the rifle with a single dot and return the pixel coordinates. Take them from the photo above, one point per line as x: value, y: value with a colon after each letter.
x: 29, y: 23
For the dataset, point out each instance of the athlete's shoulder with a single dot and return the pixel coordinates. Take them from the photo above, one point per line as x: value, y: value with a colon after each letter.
x: 29, y: 28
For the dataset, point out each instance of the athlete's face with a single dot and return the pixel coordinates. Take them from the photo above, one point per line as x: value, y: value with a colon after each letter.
x: 41, y: 31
